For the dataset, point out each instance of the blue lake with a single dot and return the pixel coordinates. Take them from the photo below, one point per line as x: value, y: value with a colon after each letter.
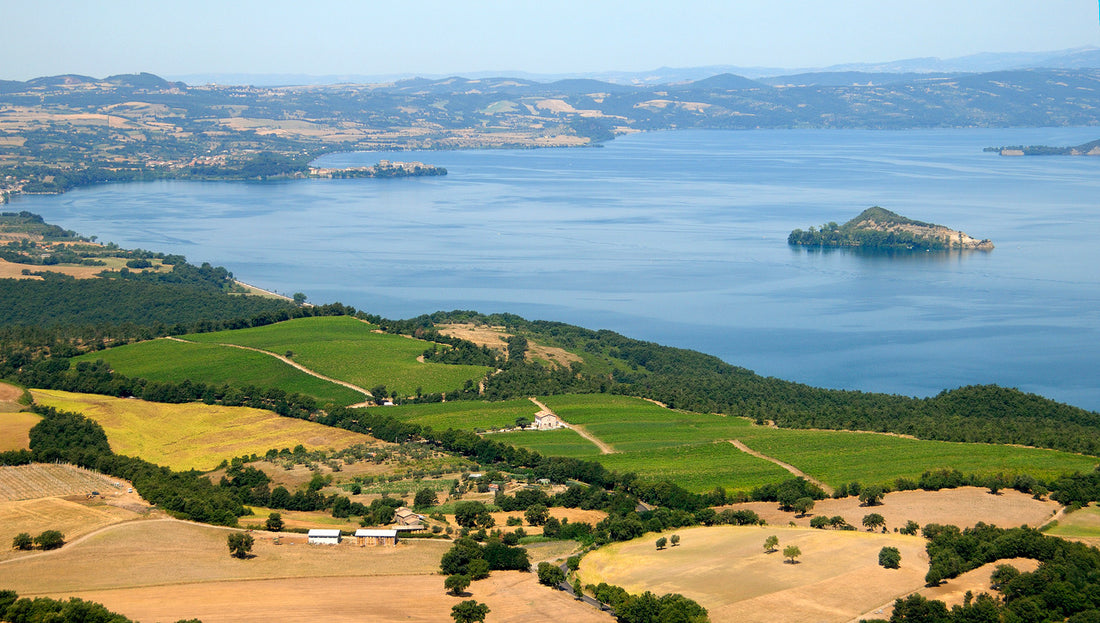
x: 680, y: 238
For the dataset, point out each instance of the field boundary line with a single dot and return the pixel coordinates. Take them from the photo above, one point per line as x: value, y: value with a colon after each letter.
x: 787, y: 466
x: 287, y: 361
x: 604, y: 447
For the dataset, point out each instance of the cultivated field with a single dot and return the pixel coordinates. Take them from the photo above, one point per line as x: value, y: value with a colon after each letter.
x: 347, y: 349
x: 38, y: 480
x: 1080, y: 525
x: 167, y: 570
x: 194, y: 435
x: 726, y: 570
x: 174, y: 361
x: 41, y: 497
x: 15, y: 428
x: 963, y: 507
x: 691, y: 448
x: 463, y: 414
x: 512, y: 597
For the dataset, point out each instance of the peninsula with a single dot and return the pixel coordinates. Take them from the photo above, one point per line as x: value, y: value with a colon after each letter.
x: 1092, y: 148
x: 879, y: 228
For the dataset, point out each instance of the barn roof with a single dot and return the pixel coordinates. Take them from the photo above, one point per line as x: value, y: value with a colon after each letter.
x: 361, y: 532
x: 324, y: 533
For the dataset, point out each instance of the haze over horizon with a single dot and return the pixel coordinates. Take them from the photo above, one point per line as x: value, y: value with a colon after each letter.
x: 433, y: 37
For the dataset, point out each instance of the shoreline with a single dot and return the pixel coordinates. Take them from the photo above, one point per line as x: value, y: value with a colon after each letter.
x: 260, y: 291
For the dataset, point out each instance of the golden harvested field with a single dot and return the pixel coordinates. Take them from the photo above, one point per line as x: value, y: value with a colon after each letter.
x: 194, y: 435
x: 572, y: 514
x: 15, y: 429
x: 953, y: 592
x: 961, y: 507
x: 72, y: 517
x: 156, y: 552
x: 512, y: 597
x: 726, y: 570
x: 494, y: 338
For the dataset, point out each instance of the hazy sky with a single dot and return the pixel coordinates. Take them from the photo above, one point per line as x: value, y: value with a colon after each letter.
x: 47, y: 37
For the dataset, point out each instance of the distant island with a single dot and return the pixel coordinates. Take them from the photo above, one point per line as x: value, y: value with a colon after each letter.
x: 879, y: 228
x: 1091, y: 148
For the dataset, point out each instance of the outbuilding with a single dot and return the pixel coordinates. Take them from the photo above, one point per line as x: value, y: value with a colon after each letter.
x: 318, y: 536
x: 368, y: 536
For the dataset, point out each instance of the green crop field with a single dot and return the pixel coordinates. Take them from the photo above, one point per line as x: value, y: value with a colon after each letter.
x: 558, y: 442
x: 837, y: 457
x: 656, y: 442
x: 463, y: 414
x: 699, y: 467
x: 347, y: 349
x: 1082, y: 523
x: 172, y: 361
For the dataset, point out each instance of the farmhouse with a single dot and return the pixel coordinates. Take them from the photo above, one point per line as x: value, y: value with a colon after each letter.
x: 324, y: 537
x: 365, y: 536
x: 547, y: 421
x: 405, y: 517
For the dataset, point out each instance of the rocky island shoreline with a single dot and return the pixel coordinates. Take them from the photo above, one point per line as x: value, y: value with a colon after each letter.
x: 879, y: 228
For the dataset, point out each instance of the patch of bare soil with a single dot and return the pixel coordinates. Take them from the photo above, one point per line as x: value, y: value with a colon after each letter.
x: 494, y: 337
x: 963, y: 507
x: 512, y: 597
x: 9, y: 393
x: 953, y: 592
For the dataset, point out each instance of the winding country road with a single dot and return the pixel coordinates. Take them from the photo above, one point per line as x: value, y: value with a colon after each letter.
x: 787, y: 466
x: 580, y: 430
x: 289, y: 362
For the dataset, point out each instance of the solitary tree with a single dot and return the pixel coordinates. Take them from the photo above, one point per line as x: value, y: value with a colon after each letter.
x: 661, y: 542
x: 300, y: 298
x: 770, y: 543
x: 675, y: 540
x: 456, y: 583
x: 792, y: 552
x: 889, y: 557
x: 873, y: 520
x: 50, y: 539
x: 240, y: 544
x: 22, y: 540
x: 469, y: 611
x: 578, y: 592
x: 522, y: 422
x: 274, y: 522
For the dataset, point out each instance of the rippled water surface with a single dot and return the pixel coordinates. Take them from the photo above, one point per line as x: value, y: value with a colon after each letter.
x: 680, y: 238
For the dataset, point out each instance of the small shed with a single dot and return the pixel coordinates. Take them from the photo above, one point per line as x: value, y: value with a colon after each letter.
x: 318, y: 536
x: 366, y: 536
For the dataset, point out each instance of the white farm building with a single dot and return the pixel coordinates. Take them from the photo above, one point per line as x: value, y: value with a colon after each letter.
x: 324, y: 537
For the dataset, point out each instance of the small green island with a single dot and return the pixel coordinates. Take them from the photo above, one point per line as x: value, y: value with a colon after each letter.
x: 879, y: 228
x: 1092, y: 148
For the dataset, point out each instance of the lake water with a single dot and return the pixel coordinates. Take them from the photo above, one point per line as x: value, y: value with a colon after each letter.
x: 680, y: 238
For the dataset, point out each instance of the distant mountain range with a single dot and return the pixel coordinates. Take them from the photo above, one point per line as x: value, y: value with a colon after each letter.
x: 834, y: 75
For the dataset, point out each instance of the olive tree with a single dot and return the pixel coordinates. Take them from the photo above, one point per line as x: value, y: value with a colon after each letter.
x: 771, y: 543
x: 791, y: 552
x: 240, y: 544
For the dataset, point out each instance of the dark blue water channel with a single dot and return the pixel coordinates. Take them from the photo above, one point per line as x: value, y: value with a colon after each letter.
x: 680, y: 238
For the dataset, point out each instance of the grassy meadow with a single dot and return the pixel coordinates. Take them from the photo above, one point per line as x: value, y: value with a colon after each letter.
x: 350, y: 350
x: 174, y: 362
x: 194, y: 435
x: 15, y: 430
